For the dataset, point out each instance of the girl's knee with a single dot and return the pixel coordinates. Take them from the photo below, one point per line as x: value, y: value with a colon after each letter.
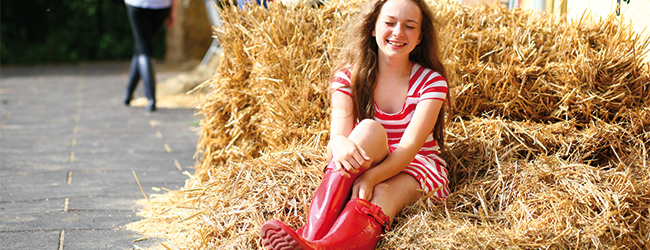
x: 369, y: 127
x: 369, y: 124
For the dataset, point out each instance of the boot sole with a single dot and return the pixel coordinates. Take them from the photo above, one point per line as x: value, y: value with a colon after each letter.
x: 275, y: 237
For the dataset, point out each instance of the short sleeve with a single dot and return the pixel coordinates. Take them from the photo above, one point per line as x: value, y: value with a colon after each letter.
x: 435, y: 87
x: 341, y: 82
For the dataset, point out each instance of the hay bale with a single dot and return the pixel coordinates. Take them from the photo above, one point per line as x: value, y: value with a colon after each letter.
x: 523, y: 66
x: 547, y: 145
x: 271, y: 89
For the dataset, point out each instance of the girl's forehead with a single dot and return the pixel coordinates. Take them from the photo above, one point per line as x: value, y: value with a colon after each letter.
x: 401, y: 9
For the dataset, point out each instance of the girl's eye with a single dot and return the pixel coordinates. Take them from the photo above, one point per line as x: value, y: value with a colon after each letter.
x: 410, y: 27
x: 389, y: 23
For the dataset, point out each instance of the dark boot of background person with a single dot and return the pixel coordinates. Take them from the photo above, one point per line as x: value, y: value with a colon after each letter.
x: 149, y: 80
x: 134, y: 77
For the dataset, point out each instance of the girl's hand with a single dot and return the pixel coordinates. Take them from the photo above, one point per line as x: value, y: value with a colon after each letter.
x: 363, y: 187
x: 348, y: 156
x: 171, y: 18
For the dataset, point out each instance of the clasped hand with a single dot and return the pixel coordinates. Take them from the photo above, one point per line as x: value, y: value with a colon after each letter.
x: 350, y: 158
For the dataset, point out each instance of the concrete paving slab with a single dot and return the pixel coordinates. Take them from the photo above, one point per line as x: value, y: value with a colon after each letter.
x: 132, y: 160
x: 29, y: 240
x: 70, y: 220
x: 45, y: 121
x: 110, y: 144
x: 28, y: 168
x: 41, y: 103
x: 126, y: 177
x: 26, y: 161
x: 15, y: 126
x: 110, y: 130
x: 14, y: 131
x: 102, y: 239
x: 36, y: 206
x: 97, y: 118
x: 46, y: 178
x: 41, y: 192
x: 35, y: 144
x: 108, y: 203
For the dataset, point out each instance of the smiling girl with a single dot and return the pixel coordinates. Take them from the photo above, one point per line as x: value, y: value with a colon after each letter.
x: 388, y: 98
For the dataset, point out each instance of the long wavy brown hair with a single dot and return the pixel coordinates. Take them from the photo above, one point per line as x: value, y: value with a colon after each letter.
x: 360, y: 57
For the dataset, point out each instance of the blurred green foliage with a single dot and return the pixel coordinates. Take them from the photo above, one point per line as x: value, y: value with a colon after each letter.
x: 54, y: 31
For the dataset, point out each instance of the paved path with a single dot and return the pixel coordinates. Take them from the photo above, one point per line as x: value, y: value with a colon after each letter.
x: 68, y: 147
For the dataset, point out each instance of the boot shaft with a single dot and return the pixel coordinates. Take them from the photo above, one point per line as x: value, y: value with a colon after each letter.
x: 328, y: 202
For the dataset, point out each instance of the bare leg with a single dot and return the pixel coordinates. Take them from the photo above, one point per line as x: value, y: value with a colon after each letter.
x: 396, y: 193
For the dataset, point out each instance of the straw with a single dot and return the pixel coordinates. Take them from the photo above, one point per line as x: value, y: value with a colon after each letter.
x: 547, y: 145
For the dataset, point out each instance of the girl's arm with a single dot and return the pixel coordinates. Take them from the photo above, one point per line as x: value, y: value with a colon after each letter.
x: 345, y: 153
x: 171, y: 19
x: 422, y: 123
x: 342, y: 121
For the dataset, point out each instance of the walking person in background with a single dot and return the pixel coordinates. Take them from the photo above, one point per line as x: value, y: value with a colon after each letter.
x: 388, y: 96
x: 146, y: 18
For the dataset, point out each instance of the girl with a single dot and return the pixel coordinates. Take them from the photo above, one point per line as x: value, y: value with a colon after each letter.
x: 387, y: 123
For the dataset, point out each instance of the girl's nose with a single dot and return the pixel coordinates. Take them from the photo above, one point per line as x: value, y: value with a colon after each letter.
x: 397, y: 30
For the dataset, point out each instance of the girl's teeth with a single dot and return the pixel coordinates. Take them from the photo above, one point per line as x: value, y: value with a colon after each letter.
x: 396, y: 44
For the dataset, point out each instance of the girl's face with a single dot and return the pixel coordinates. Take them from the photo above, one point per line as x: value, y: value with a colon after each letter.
x: 397, y: 29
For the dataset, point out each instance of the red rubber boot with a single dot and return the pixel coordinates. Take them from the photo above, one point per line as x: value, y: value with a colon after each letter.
x: 330, y: 198
x: 359, y: 226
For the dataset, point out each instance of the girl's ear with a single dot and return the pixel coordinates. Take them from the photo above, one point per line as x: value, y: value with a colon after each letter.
x: 374, y: 35
x: 419, y: 38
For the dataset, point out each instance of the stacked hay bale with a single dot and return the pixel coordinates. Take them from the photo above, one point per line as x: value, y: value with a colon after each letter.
x: 270, y: 90
x: 547, y: 144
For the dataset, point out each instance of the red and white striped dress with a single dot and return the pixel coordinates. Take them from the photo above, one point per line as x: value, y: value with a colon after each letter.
x: 427, y: 167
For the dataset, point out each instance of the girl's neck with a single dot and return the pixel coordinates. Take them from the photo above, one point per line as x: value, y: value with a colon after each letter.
x: 393, y: 67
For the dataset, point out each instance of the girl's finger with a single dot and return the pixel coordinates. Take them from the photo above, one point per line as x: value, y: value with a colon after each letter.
x: 362, y: 194
x: 337, y: 165
x: 365, y: 194
x: 360, y: 160
x: 342, y: 171
x: 363, y: 153
x: 355, y: 192
x: 349, y: 167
